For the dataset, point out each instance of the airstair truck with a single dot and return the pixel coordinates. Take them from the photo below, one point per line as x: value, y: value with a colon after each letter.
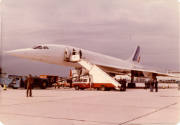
x: 97, y: 78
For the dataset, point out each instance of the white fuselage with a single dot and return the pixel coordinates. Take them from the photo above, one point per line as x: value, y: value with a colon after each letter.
x: 55, y: 55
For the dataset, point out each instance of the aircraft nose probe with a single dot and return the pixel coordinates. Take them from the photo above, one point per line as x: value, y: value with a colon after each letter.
x: 11, y: 52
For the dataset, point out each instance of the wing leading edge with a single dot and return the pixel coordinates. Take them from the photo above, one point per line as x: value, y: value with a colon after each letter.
x: 138, y: 72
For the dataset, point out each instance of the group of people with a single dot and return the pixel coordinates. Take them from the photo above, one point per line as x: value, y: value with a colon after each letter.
x: 123, y: 84
x: 74, y: 52
x: 152, y: 84
x: 148, y: 84
x: 67, y: 54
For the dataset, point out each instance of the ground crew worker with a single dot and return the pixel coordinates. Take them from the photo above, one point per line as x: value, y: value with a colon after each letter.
x: 146, y: 84
x: 29, y: 86
x: 178, y: 85
x: 124, y: 84
x: 4, y: 85
x: 156, y: 85
x: 80, y: 54
x: 70, y: 82
x: 74, y: 52
x: 90, y: 81
x: 151, y: 85
x: 65, y: 55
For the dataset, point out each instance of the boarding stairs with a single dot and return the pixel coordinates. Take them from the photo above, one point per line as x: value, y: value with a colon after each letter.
x: 98, y: 75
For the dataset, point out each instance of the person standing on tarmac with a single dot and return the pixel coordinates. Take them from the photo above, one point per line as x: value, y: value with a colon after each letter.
x: 151, y: 85
x: 156, y: 85
x: 29, y: 86
x: 147, y: 84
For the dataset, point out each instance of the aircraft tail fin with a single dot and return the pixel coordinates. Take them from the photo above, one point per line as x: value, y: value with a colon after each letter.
x: 136, y: 57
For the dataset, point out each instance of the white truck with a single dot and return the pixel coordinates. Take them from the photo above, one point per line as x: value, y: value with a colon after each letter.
x: 87, y: 81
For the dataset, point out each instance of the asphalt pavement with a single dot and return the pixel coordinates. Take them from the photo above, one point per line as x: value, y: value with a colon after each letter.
x: 71, y: 107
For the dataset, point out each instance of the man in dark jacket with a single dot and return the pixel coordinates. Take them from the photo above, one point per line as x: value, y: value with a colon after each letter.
x: 151, y: 85
x: 29, y: 86
x: 156, y: 85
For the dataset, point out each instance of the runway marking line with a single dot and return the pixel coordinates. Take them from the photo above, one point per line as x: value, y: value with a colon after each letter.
x: 82, y: 120
x: 49, y: 117
x: 149, y: 113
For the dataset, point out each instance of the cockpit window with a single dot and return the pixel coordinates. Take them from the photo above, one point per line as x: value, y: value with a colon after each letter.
x: 40, y: 47
x: 45, y: 47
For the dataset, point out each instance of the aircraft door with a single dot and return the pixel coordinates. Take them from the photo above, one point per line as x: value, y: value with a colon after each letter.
x: 67, y: 54
x: 72, y: 56
x: 75, y: 56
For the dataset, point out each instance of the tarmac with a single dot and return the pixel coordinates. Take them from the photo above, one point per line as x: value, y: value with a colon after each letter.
x: 70, y: 107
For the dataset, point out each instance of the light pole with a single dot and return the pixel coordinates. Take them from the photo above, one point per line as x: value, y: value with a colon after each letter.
x: 1, y: 39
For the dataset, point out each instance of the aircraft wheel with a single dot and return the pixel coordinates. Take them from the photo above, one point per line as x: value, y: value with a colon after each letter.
x: 76, y: 87
x: 43, y: 85
x: 102, y: 88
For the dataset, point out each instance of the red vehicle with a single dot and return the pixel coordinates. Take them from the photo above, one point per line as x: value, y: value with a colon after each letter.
x: 82, y: 83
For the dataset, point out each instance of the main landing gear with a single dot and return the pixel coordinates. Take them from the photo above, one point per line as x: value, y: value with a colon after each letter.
x: 132, y: 84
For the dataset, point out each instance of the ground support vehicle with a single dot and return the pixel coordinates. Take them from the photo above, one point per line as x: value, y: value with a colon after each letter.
x: 61, y: 83
x: 8, y: 81
x: 85, y: 82
x: 43, y: 81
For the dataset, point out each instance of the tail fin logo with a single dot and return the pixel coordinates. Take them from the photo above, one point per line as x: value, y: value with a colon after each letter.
x: 139, y: 58
x: 136, y: 57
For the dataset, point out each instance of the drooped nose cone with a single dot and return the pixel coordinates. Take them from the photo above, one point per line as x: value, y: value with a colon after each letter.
x: 23, y: 53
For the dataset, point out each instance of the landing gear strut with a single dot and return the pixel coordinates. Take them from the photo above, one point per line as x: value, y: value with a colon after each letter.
x: 132, y: 84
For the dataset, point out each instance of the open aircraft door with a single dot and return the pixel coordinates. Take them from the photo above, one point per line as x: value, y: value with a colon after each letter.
x: 67, y: 54
x: 73, y: 56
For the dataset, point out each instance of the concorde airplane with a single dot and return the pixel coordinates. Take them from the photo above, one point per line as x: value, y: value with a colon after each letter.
x: 61, y: 55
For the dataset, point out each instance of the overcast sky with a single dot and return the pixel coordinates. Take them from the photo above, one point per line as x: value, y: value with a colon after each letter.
x: 112, y: 27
